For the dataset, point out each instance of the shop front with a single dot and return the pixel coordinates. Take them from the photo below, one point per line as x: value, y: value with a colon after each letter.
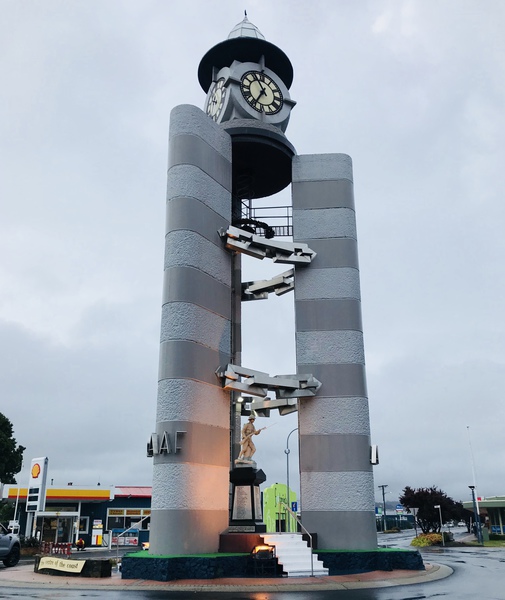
x: 57, y: 527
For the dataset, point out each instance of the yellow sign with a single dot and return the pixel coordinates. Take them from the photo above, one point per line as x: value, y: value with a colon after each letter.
x: 116, y: 512
x: 133, y: 512
x: 61, y: 564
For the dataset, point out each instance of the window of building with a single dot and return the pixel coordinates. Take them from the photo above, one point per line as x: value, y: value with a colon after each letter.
x: 121, y: 518
x: 84, y: 525
x: 115, y: 523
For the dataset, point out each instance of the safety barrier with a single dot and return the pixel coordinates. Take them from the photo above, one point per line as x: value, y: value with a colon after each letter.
x: 56, y: 548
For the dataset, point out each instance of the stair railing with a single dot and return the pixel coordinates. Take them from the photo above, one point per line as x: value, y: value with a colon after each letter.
x: 297, y: 519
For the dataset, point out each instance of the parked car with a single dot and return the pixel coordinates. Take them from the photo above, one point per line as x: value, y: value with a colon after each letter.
x: 10, y: 547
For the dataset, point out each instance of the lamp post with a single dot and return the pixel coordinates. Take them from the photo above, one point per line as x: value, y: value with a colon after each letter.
x: 414, y: 512
x: 384, y: 506
x: 287, y: 451
x: 441, y: 524
x: 476, y: 517
x: 474, y: 497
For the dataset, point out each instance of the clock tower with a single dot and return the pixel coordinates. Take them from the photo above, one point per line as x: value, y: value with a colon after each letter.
x: 247, y: 77
x: 247, y: 81
x: 221, y: 159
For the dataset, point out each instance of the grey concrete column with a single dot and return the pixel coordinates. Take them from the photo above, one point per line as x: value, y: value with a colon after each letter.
x: 191, y: 475
x: 236, y: 354
x: 337, y: 489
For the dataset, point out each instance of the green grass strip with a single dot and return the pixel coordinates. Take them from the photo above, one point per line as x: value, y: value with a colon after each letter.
x: 362, y: 551
x: 144, y: 554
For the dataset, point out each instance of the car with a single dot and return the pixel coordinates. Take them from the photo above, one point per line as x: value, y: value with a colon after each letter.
x: 10, y: 547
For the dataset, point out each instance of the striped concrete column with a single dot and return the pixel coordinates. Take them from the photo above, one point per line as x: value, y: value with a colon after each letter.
x: 191, y: 476
x: 337, y: 489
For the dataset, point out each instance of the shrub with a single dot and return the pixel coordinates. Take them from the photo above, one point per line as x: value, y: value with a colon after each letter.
x: 497, y: 537
x: 393, y: 530
x: 427, y: 539
x: 29, y: 542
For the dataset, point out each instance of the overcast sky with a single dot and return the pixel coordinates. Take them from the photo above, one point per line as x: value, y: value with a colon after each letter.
x: 413, y: 90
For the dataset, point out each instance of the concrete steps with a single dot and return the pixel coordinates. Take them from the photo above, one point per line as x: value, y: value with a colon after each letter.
x: 293, y: 553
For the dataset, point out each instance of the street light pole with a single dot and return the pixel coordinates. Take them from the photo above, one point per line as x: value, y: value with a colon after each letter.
x: 287, y: 451
x: 441, y: 524
x: 476, y: 517
x: 384, y: 506
x: 475, y: 498
x: 414, y: 512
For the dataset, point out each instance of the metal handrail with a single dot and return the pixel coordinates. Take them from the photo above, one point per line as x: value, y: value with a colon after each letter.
x: 293, y: 514
x: 134, y: 526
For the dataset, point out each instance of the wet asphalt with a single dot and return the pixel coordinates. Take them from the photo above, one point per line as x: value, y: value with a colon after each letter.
x: 479, y: 574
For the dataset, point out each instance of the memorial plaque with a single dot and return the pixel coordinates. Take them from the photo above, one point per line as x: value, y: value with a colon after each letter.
x: 242, y: 503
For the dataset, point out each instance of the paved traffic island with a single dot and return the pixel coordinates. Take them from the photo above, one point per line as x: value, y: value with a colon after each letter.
x: 22, y: 576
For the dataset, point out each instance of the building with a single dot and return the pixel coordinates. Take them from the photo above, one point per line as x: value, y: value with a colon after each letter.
x: 275, y: 515
x: 94, y: 514
x: 491, y: 511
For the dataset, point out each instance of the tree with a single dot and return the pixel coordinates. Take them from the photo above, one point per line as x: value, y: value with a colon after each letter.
x: 425, y: 500
x: 6, y: 511
x: 11, y: 455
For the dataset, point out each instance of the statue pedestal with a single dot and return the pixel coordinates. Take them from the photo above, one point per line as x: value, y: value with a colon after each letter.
x: 246, y: 510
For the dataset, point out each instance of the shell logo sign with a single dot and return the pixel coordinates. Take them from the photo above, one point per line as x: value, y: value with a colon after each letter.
x: 36, y: 498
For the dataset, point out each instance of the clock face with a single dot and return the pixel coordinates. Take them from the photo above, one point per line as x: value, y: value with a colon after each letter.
x: 216, y: 100
x: 261, y: 92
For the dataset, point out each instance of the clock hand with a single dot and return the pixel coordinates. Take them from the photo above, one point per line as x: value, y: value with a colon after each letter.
x: 262, y: 86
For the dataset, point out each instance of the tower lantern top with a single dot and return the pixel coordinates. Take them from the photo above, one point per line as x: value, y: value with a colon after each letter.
x: 245, y: 43
x: 246, y: 29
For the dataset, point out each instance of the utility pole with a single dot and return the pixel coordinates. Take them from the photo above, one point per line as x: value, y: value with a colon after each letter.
x: 384, y: 506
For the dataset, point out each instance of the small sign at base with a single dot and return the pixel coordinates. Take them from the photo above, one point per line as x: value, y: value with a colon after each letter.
x: 60, y: 564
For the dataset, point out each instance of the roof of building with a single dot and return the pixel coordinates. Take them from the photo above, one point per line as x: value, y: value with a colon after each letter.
x: 53, y: 493
x: 489, y: 502
x: 133, y: 491
x: 82, y: 493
